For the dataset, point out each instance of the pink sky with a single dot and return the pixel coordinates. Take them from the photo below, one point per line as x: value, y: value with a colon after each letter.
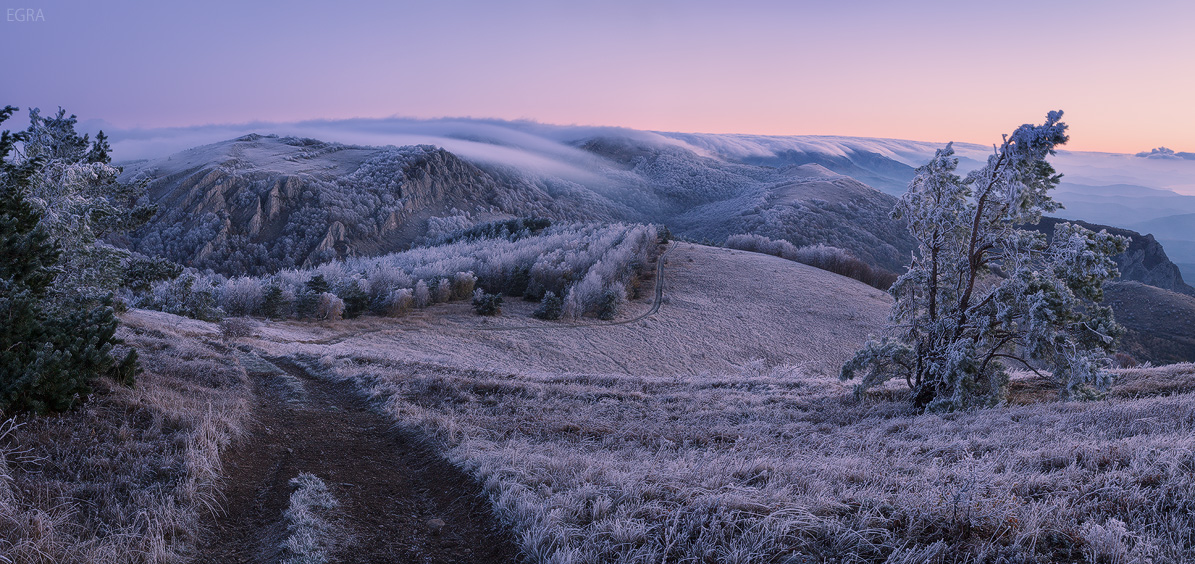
x: 932, y: 71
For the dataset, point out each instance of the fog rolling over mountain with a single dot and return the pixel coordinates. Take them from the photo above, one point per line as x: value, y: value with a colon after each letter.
x: 256, y: 204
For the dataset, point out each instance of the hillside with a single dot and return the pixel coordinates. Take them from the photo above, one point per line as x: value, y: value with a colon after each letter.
x: 1177, y: 232
x: 717, y: 426
x: 1160, y: 323
x: 723, y: 310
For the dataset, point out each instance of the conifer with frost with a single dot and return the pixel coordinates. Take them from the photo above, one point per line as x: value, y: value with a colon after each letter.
x: 982, y: 296
x: 82, y: 205
x: 49, y: 353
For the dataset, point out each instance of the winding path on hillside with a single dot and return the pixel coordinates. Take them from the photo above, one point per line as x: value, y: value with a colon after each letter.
x: 399, y: 500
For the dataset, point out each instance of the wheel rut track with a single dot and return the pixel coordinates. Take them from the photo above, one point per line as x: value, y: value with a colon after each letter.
x: 389, y: 484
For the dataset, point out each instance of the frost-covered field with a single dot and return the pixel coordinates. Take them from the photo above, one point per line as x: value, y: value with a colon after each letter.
x: 716, y: 431
x: 770, y: 464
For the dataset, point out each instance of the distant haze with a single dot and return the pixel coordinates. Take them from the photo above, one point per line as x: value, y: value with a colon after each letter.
x: 927, y: 70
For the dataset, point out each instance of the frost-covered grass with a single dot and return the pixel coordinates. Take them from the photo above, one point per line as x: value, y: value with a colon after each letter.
x: 772, y: 464
x: 128, y: 476
x: 590, y: 265
x: 820, y: 256
x: 310, y: 530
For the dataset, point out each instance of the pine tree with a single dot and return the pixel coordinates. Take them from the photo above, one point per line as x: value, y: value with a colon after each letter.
x: 100, y: 150
x: 48, y: 357
x: 982, y: 294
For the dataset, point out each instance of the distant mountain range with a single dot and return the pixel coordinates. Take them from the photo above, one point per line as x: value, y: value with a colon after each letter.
x: 257, y: 203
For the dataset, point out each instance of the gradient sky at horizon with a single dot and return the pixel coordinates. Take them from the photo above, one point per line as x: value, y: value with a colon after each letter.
x: 923, y: 70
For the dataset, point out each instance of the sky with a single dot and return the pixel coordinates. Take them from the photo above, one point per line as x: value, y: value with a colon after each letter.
x: 922, y: 70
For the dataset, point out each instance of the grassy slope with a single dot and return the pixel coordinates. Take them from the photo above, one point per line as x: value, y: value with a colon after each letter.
x: 715, y: 431
x: 723, y: 310
x: 126, y: 477
x: 1160, y: 323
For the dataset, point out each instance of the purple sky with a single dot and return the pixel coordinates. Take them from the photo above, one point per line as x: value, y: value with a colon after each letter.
x: 933, y: 71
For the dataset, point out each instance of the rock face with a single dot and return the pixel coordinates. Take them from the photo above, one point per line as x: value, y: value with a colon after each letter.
x: 1145, y: 260
x: 258, y: 204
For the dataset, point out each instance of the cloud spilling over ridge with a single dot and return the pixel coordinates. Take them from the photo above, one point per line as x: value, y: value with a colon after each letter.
x: 544, y: 149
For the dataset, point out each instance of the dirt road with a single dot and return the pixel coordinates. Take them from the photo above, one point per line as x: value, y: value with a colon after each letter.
x: 399, y: 501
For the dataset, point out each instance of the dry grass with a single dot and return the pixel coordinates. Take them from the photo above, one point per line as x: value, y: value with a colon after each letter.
x: 774, y: 465
x: 126, y: 477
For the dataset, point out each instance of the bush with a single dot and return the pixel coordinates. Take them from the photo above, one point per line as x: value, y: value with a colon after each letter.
x: 610, y: 302
x: 486, y: 304
x: 462, y: 285
x: 329, y: 307
x: 824, y: 257
x: 233, y: 328
x: 399, y: 302
x: 241, y: 296
x: 423, y: 297
x: 443, y: 291
x: 552, y: 307
x: 188, y: 295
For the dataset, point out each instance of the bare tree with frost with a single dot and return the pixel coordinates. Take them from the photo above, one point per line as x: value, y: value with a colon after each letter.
x: 982, y: 295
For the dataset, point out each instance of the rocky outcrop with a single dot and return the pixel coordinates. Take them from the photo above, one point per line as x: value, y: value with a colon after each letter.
x: 1145, y: 260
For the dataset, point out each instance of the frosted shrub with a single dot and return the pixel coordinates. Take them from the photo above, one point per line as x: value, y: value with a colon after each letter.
x: 611, y: 302
x: 233, y: 328
x: 329, y: 307
x: 462, y: 285
x: 443, y: 291
x: 423, y: 296
x: 355, y: 297
x: 399, y: 302
x: 825, y: 257
x: 525, y: 258
x: 551, y: 307
x: 384, y: 279
x: 486, y: 304
x: 190, y: 295
x: 241, y: 296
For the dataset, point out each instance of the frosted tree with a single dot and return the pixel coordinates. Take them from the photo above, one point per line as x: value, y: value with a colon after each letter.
x: 982, y: 295
x: 83, y: 204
